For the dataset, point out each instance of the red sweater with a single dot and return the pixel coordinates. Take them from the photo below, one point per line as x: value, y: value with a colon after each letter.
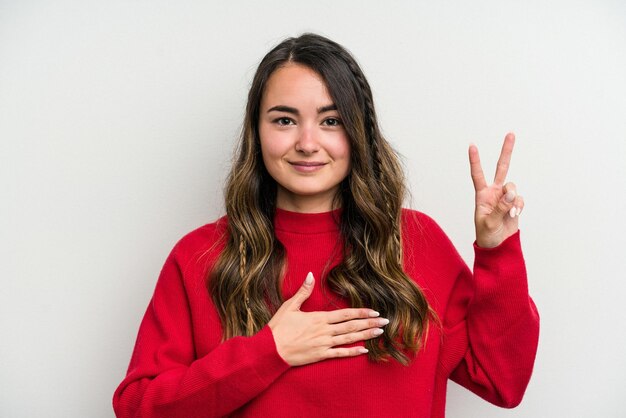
x: 486, y: 342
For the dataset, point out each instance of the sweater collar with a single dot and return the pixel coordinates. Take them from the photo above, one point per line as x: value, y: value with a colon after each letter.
x: 307, y: 223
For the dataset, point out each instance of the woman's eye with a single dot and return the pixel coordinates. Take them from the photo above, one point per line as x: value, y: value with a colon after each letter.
x: 332, y: 122
x: 283, y: 121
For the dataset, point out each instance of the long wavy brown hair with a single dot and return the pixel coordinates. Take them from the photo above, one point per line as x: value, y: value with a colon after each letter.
x: 245, y: 282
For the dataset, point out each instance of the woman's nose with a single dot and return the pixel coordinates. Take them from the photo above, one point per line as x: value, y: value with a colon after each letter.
x: 307, y: 141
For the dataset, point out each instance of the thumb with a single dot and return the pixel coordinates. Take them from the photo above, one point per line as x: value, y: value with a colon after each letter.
x: 506, y: 202
x: 303, y: 293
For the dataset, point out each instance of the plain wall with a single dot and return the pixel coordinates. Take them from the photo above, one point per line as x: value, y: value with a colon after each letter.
x: 117, y: 123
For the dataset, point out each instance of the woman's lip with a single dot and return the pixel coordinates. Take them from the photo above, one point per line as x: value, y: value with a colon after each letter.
x: 307, y: 163
x: 307, y: 166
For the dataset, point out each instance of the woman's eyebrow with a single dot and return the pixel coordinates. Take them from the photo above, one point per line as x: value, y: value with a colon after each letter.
x: 327, y: 108
x: 293, y: 110
x: 282, y: 108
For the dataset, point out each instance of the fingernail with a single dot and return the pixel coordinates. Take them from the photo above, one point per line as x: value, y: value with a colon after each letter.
x: 374, y: 314
x: 383, y: 321
x: 513, y: 212
x: 377, y: 331
x: 363, y: 350
x: 309, y: 278
x: 509, y: 196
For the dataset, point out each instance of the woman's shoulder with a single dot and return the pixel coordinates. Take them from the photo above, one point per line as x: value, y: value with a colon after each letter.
x: 427, y: 248
x: 415, y: 222
x: 205, y: 240
x: 422, y: 231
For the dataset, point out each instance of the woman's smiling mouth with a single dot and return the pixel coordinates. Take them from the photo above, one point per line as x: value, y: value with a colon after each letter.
x: 307, y: 166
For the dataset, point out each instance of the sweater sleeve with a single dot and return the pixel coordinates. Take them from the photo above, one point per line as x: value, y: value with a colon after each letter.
x: 491, y: 326
x: 165, y: 379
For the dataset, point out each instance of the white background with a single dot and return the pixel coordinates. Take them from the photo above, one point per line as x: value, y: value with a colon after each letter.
x: 117, y: 123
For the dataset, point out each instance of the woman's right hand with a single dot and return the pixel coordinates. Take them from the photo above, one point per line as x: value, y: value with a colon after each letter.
x: 308, y: 337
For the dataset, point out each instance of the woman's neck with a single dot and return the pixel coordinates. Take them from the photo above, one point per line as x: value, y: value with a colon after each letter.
x: 306, y: 204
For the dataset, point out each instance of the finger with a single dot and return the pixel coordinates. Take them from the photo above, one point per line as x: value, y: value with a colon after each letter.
x: 508, y: 188
x: 518, y: 202
x: 354, y: 337
x: 345, y: 352
x: 505, y: 158
x: 476, y: 170
x: 506, y: 201
x: 303, y: 293
x: 518, y: 205
x: 358, y: 325
x: 343, y: 315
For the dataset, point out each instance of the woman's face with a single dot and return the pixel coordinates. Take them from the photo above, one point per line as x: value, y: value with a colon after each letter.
x: 303, y: 141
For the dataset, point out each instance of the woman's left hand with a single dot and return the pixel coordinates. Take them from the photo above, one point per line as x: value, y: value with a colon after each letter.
x: 497, y: 205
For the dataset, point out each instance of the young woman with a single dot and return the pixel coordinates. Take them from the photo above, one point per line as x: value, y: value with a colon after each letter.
x: 317, y: 295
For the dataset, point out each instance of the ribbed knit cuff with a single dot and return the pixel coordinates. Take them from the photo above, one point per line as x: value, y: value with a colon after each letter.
x: 492, y: 266
x: 511, y: 243
x: 269, y: 365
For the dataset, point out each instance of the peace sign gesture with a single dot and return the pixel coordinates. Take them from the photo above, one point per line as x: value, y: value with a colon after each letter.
x: 497, y: 205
